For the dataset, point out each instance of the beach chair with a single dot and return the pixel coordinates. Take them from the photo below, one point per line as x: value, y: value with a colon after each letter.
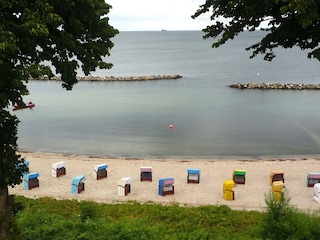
x: 100, y: 171
x: 77, y: 184
x: 193, y: 175
x: 58, y: 169
x: 146, y: 174
x: 31, y: 181
x: 316, y: 192
x: 276, y: 176
x: 124, y: 186
x: 277, y: 190
x: 166, y: 186
x: 239, y: 176
x: 313, y: 178
x: 228, y: 193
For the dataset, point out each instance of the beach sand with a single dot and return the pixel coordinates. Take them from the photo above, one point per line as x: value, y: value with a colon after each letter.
x: 249, y: 196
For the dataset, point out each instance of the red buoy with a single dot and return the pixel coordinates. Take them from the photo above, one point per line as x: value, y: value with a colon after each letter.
x: 171, y: 126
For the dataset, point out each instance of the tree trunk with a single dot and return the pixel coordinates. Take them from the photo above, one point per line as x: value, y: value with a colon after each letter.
x: 5, y: 213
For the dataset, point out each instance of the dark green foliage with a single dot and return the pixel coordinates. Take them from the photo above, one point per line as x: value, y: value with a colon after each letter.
x: 277, y: 218
x: 9, y: 172
x: 290, y: 23
x: 283, y: 221
x: 70, y: 34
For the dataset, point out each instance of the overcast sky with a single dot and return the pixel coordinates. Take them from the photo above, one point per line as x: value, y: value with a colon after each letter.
x: 144, y: 15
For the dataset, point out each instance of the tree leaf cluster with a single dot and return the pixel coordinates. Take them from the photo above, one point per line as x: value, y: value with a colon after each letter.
x: 11, y: 170
x: 287, y: 23
x: 68, y: 34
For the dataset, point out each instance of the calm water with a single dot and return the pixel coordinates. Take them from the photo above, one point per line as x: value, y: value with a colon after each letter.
x: 131, y: 119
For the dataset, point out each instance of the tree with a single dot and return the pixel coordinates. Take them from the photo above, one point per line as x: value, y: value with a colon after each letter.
x: 288, y: 23
x: 37, y: 34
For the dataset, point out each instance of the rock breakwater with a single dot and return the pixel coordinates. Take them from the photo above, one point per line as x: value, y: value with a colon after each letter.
x: 113, y: 78
x: 284, y: 86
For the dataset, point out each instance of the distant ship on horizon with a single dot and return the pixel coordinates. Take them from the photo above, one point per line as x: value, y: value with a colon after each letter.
x: 163, y: 30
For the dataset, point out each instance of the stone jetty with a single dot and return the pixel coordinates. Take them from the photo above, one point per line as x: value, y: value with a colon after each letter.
x: 113, y: 78
x: 281, y: 86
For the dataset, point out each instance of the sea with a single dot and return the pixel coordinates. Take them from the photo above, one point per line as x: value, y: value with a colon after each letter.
x: 209, y: 120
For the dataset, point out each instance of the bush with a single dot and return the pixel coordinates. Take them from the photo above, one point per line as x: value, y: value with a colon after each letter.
x: 283, y: 221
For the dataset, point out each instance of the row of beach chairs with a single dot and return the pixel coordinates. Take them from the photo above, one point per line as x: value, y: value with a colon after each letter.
x: 166, y: 185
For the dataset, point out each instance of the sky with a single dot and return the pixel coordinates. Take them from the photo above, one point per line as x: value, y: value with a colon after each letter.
x: 155, y: 15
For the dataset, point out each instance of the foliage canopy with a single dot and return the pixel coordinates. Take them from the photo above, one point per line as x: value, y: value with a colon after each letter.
x: 288, y: 23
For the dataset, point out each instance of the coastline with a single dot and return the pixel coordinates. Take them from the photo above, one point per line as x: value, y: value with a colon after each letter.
x: 214, y: 172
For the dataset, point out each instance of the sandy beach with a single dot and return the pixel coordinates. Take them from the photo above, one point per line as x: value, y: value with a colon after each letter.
x: 214, y: 172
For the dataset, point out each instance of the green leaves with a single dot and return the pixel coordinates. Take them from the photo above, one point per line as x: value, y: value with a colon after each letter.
x: 284, y: 221
x: 8, y: 44
x: 290, y: 23
x: 308, y: 11
x: 60, y: 32
x: 9, y: 172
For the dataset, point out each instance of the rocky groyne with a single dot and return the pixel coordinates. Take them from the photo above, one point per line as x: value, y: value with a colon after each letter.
x: 113, y: 78
x: 284, y: 86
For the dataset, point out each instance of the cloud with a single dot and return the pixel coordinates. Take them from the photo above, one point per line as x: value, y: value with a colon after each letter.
x: 129, y: 15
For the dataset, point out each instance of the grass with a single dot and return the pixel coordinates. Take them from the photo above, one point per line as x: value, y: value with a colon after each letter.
x: 48, y: 218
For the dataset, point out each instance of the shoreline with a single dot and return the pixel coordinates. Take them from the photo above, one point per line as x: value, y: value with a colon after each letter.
x: 188, y: 158
x: 248, y: 196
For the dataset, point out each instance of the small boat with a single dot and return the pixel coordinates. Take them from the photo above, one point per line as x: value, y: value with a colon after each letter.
x: 28, y: 105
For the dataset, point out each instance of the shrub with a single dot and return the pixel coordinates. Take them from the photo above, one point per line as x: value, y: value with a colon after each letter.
x: 283, y: 221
